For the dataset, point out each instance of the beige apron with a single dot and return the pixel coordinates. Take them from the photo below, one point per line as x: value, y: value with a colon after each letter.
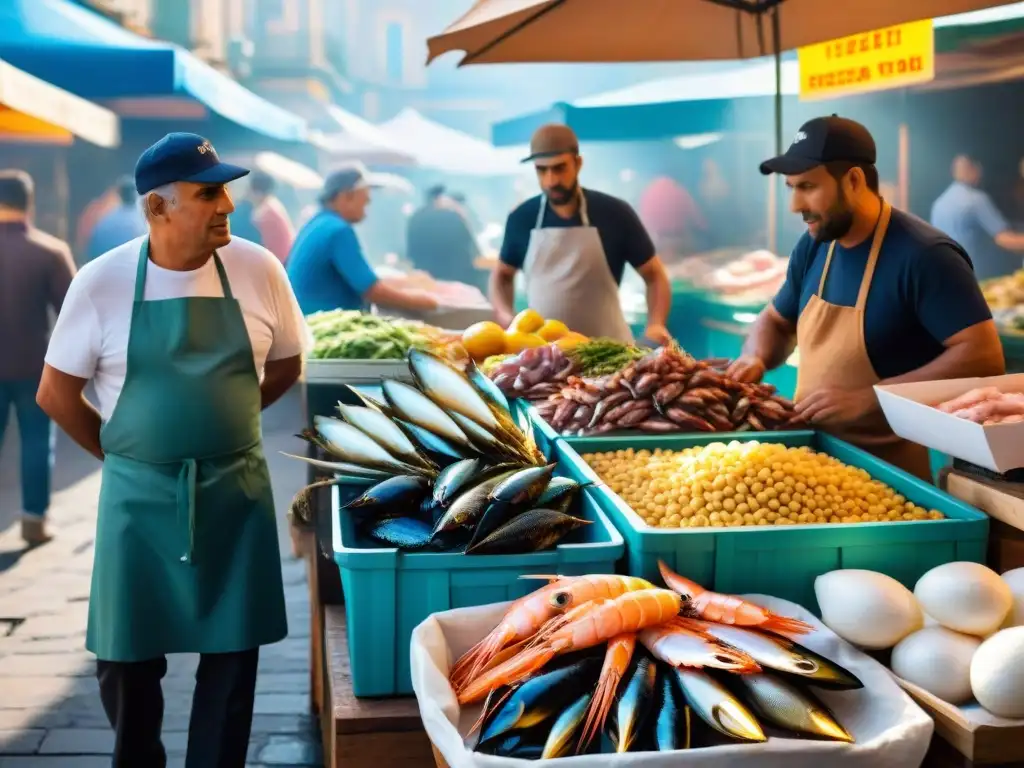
x: 834, y: 354
x: 568, y: 278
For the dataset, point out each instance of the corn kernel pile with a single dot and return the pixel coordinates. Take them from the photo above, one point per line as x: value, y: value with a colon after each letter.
x: 748, y: 484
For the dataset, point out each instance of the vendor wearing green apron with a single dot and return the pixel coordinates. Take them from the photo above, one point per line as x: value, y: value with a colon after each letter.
x: 174, y: 330
x: 573, y: 245
x: 873, y: 296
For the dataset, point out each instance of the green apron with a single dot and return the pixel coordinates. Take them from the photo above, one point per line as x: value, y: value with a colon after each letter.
x: 187, y: 557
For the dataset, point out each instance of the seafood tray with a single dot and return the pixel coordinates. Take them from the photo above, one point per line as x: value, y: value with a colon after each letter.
x: 387, y: 592
x: 888, y: 729
x: 784, y: 561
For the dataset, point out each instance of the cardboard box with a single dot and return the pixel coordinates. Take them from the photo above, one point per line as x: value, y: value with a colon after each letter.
x: 979, y: 736
x: 910, y: 411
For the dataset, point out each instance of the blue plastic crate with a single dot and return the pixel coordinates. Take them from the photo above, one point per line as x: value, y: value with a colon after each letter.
x: 388, y: 592
x: 785, y: 561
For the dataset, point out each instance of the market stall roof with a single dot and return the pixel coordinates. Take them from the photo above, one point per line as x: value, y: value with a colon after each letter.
x: 360, y: 140
x: 442, y: 148
x: 700, y: 100
x: 82, y: 52
x: 33, y: 109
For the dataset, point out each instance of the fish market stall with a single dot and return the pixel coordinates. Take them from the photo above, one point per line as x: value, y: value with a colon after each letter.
x: 735, y: 681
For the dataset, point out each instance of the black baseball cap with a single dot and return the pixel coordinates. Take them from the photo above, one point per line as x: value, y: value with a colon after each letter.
x: 824, y: 140
x: 182, y: 157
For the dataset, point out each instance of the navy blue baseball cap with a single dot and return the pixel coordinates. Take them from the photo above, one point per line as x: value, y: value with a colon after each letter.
x: 182, y: 157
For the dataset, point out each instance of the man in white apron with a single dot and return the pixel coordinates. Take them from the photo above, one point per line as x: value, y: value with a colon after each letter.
x: 873, y: 296
x: 573, y: 245
x: 187, y: 335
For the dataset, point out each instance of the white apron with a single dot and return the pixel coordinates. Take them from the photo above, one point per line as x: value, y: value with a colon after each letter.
x: 568, y: 278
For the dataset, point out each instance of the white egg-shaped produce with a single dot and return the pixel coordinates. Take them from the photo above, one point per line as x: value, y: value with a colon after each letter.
x: 1015, y: 580
x: 997, y: 673
x: 866, y: 608
x: 938, y: 660
x: 965, y: 597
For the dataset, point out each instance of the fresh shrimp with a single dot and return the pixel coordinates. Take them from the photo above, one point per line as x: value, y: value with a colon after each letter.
x: 616, y: 661
x: 729, y: 609
x: 678, y: 646
x: 528, y: 614
x: 583, y: 627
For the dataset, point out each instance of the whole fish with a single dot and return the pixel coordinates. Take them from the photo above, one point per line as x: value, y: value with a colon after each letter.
x: 382, y: 429
x: 672, y: 722
x: 678, y: 646
x: 524, y: 487
x: 412, y: 405
x: 351, y: 445
x: 635, y: 702
x: 523, y: 745
x: 780, y: 654
x: 467, y: 507
x: 713, y: 704
x: 450, y: 388
x: 454, y: 478
x: 541, y: 698
x: 405, y: 533
x: 442, y: 451
x: 565, y: 729
x: 484, y: 441
x: 343, y: 468
x: 532, y: 531
x: 394, y: 497
x: 368, y: 401
x: 557, y: 489
x: 490, y: 391
x: 785, y: 705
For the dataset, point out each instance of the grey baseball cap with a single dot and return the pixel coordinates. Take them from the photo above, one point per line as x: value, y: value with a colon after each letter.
x: 347, y: 178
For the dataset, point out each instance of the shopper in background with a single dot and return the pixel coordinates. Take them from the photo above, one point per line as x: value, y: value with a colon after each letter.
x: 119, y: 225
x: 967, y: 214
x: 35, y: 272
x: 269, y: 216
x: 439, y: 240
x: 873, y: 296
x: 573, y: 245
x: 327, y: 267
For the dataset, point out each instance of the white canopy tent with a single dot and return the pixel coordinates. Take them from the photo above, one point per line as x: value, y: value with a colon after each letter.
x: 438, y: 147
x: 359, y: 140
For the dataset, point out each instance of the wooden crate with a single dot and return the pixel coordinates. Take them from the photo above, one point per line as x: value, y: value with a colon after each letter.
x: 1003, y: 502
x: 366, y: 733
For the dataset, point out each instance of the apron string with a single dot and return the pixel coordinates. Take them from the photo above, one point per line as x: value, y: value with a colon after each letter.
x: 584, y: 215
x: 187, y: 506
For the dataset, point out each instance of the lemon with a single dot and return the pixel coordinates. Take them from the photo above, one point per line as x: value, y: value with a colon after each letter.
x: 482, y: 340
x: 517, y: 341
x: 570, y: 340
x: 553, y: 330
x: 527, y: 321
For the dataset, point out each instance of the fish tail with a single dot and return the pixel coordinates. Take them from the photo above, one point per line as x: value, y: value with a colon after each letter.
x: 616, y: 661
x: 487, y: 709
x: 783, y: 625
x: 677, y: 583
x: 511, y: 672
x: 469, y: 665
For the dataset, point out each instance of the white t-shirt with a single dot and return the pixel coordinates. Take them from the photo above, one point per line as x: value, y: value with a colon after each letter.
x: 90, y: 338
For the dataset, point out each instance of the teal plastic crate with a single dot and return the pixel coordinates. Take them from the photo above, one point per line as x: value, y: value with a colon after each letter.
x: 785, y: 561
x: 543, y: 433
x: 388, y: 593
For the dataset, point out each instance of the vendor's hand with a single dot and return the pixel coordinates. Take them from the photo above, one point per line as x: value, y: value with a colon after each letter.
x: 749, y: 369
x: 658, y: 334
x: 832, y: 407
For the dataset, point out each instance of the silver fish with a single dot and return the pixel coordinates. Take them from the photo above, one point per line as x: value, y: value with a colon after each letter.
x: 781, y: 654
x: 454, y: 478
x: 383, y: 430
x: 713, y: 704
x: 785, y: 705
x: 468, y: 507
x: 356, y: 447
x: 343, y: 468
x: 448, y: 387
x: 369, y: 402
x: 484, y: 440
x: 445, y: 451
x: 491, y: 392
x: 412, y: 405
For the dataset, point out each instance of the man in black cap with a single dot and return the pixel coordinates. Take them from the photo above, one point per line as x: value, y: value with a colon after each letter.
x: 572, y: 245
x: 326, y: 264
x: 873, y: 295
x: 186, y: 335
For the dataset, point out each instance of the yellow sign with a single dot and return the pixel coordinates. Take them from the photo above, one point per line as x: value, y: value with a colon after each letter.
x: 893, y: 57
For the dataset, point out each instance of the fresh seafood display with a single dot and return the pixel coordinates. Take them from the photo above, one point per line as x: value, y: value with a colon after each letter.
x: 664, y: 392
x: 648, y: 669
x: 448, y: 467
x: 354, y: 335
x: 749, y: 483
x: 749, y: 276
x: 986, y: 406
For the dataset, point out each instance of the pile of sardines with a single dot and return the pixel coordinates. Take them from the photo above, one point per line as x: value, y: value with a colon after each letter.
x: 607, y: 663
x: 447, y: 465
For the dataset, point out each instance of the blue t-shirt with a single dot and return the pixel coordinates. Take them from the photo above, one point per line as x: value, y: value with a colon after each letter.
x: 923, y: 291
x: 622, y: 234
x: 119, y: 226
x: 326, y: 266
x: 969, y: 216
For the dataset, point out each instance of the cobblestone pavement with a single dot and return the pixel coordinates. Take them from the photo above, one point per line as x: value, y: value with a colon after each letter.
x: 50, y: 712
